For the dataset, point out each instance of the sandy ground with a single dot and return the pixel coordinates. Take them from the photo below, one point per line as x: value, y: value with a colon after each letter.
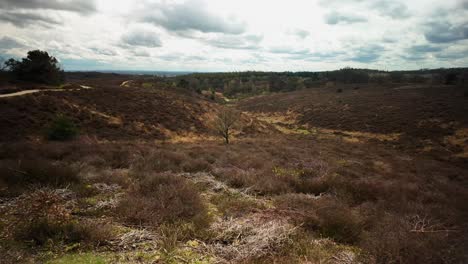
x: 40, y: 90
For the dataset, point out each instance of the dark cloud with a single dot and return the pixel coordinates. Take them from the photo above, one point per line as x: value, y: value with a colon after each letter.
x: 142, y: 38
x: 171, y: 57
x: 255, y: 58
x: 191, y: 15
x: 413, y: 57
x: 327, y: 55
x: 7, y: 43
x: 420, y: 52
x: 250, y: 42
x: 367, y: 54
x: 463, y: 4
x: 444, y: 32
x: 452, y: 55
x: 390, y: 39
x: 106, y: 52
x: 391, y: 8
x: 317, y: 56
x: 335, y: 18
x: 181, y: 57
x: 339, y: 2
x: 300, y: 33
x: 26, y: 19
x: 424, y: 49
x: 79, y: 6
x: 140, y: 53
x: 288, y: 50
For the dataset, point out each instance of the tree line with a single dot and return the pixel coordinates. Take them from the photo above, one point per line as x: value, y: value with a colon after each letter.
x: 240, y: 84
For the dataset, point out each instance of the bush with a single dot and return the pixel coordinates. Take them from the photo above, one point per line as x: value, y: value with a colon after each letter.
x: 19, y: 175
x: 337, y: 221
x: 41, y: 232
x: 390, y: 240
x: 61, y: 128
x: 44, y: 217
x: 163, y: 198
x: 157, y: 161
x: 327, y: 216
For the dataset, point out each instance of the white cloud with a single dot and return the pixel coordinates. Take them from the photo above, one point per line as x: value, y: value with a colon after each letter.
x: 221, y: 35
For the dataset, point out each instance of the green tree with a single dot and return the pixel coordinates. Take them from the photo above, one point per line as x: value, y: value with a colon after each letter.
x: 38, y: 67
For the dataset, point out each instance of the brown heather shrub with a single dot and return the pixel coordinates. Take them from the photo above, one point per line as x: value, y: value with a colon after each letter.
x: 392, y: 240
x: 235, y: 177
x: 327, y: 216
x: 195, y: 165
x: 158, y: 161
x: 234, y: 204
x: 115, y: 176
x: 163, y: 198
x: 270, y: 183
x: 19, y: 175
x: 44, y: 217
x: 42, y: 232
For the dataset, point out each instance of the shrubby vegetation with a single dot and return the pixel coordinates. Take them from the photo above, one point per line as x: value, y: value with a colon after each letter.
x: 21, y: 175
x: 61, y: 128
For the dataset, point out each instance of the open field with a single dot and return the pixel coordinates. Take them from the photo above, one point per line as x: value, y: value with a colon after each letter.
x: 369, y: 175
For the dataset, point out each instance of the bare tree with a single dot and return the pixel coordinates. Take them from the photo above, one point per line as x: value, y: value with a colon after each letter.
x: 224, y: 122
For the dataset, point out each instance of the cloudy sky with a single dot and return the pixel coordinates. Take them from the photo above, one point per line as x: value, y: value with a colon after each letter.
x: 238, y: 35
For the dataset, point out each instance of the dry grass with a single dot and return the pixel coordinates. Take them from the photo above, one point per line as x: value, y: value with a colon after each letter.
x: 250, y: 237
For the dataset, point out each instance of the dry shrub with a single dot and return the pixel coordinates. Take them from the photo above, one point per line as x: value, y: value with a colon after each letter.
x: 325, y: 215
x: 91, y: 233
x: 234, y: 204
x: 195, y: 165
x: 120, y: 158
x: 314, y: 178
x: 235, y: 177
x: 337, y: 221
x: 158, y: 161
x: 268, y: 183
x: 40, y: 215
x: 306, y: 246
x: 243, y: 239
x: 110, y: 177
x: 264, y: 182
x: 393, y: 240
x: 163, y: 198
x: 20, y: 175
x: 44, y: 217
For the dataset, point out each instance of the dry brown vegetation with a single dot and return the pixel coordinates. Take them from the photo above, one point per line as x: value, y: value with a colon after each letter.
x: 309, y: 192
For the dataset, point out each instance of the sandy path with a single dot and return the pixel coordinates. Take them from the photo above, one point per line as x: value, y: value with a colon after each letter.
x: 40, y: 90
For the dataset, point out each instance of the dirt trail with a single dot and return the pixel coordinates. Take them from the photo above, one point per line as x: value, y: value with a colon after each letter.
x: 25, y: 92
x: 126, y: 83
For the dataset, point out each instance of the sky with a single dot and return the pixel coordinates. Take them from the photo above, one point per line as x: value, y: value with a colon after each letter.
x: 238, y: 35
